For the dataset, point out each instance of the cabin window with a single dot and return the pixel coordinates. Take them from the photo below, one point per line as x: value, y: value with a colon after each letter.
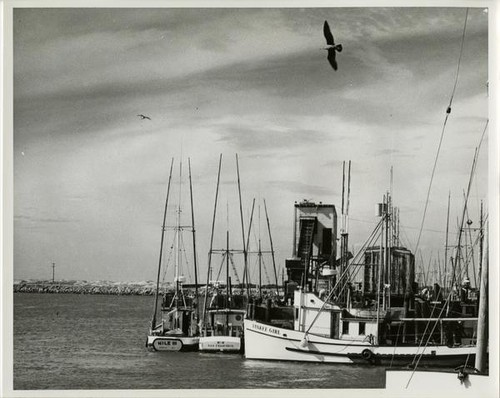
x: 345, y: 327
x: 362, y: 328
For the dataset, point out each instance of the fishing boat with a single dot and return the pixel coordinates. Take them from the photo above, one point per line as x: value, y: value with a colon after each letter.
x: 383, y: 319
x: 223, y: 329
x: 177, y: 326
x: 223, y: 312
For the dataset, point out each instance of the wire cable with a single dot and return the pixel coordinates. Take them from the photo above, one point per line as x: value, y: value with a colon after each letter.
x: 448, y: 111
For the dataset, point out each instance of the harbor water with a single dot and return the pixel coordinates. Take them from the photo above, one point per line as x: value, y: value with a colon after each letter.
x: 71, y: 341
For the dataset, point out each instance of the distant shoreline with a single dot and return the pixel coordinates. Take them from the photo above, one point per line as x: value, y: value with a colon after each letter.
x: 144, y: 288
x: 147, y: 288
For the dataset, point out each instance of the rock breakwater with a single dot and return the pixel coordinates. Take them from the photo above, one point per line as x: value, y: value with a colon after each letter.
x: 146, y: 288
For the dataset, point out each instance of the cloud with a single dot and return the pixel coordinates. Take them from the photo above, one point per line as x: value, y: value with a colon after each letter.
x: 299, y: 189
x: 35, y: 219
x: 266, y: 138
x: 251, y: 81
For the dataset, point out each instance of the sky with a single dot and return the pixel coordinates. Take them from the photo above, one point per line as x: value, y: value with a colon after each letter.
x: 90, y: 176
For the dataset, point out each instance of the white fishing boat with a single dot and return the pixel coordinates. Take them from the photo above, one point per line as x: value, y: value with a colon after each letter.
x: 382, y: 322
x: 177, y: 329
x: 336, y: 336
x: 225, y: 331
x: 223, y: 313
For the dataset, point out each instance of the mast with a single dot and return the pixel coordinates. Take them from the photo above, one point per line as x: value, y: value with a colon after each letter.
x: 228, y: 288
x: 260, y: 261
x: 272, y: 248
x: 464, y: 212
x: 153, y: 321
x: 194, y: 236
x: 481, y: 241
x: 177, y: 242
x: 344, y: 235
x: 446, y: 242
x: 246, y: 274
x: 380, y: 265
x: 245, y: 254
x: 387, y: 254
x: 211, y: 240
x: 482, y: 323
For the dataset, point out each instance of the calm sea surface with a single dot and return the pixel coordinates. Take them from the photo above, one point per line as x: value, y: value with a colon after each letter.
x: 68, y: 341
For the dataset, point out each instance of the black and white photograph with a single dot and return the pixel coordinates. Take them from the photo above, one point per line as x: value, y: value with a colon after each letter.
x: 248, y: 199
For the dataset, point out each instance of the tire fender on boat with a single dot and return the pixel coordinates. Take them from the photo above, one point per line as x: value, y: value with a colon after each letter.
x: 367, y: 354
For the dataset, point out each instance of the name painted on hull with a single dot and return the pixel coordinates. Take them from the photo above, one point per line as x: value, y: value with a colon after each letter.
x: 267, y: 329
x: 167, y: 345
x: 220, y: 345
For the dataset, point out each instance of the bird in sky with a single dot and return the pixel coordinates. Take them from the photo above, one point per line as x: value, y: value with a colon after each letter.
x: 332, y: 47
x: 144, y: 117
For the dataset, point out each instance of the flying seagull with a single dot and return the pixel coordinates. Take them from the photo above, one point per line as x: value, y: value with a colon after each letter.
x: 144, y: 117
x: 332, y: 47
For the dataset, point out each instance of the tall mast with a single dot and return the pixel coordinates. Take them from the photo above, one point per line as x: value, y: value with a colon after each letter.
x: 260, y: 261
x: 211, y: 240
x: 194, y: 235
x: 482, y: 323
x: 464, y: 212
x: 228, y: 288
x: 246, y: 273
x: 380, y: 263
x: 272, y: 248
x: 387, y: 253
x: 481, y: 242
x: 245, y: 253
x: 177, y: 241
x: 446, y: 242
x: 153, y: 321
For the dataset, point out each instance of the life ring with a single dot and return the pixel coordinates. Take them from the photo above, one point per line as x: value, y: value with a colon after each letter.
x: 367, y: 354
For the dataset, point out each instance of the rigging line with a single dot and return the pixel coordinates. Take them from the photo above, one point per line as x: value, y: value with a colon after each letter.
x: 448, y: 111
x: 186, y: 259
x: 354, y: 261
x: 425, y: 331
x: 170, y: 253
x: 265, y: 271
x: 357, y: 266
x: 448, y: 298
x: 234, y: 267
x: 459, y: 59
x: 471, y: 177
x: 221, y: 265
x: 395, y: 345
x: 330, y: 294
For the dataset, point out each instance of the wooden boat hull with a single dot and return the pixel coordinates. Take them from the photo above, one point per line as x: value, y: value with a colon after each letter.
x: 227, y: 344
x: 172, y: 343
x: 266, y: 342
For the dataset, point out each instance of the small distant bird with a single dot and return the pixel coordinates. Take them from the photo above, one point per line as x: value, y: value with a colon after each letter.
x: 144, y: 117
x: 332, y: 47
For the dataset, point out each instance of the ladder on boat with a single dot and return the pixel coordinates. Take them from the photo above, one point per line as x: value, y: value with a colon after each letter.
x: 307, y: 231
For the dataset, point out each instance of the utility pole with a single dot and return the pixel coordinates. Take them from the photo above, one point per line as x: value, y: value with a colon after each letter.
x: 53, y: 271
